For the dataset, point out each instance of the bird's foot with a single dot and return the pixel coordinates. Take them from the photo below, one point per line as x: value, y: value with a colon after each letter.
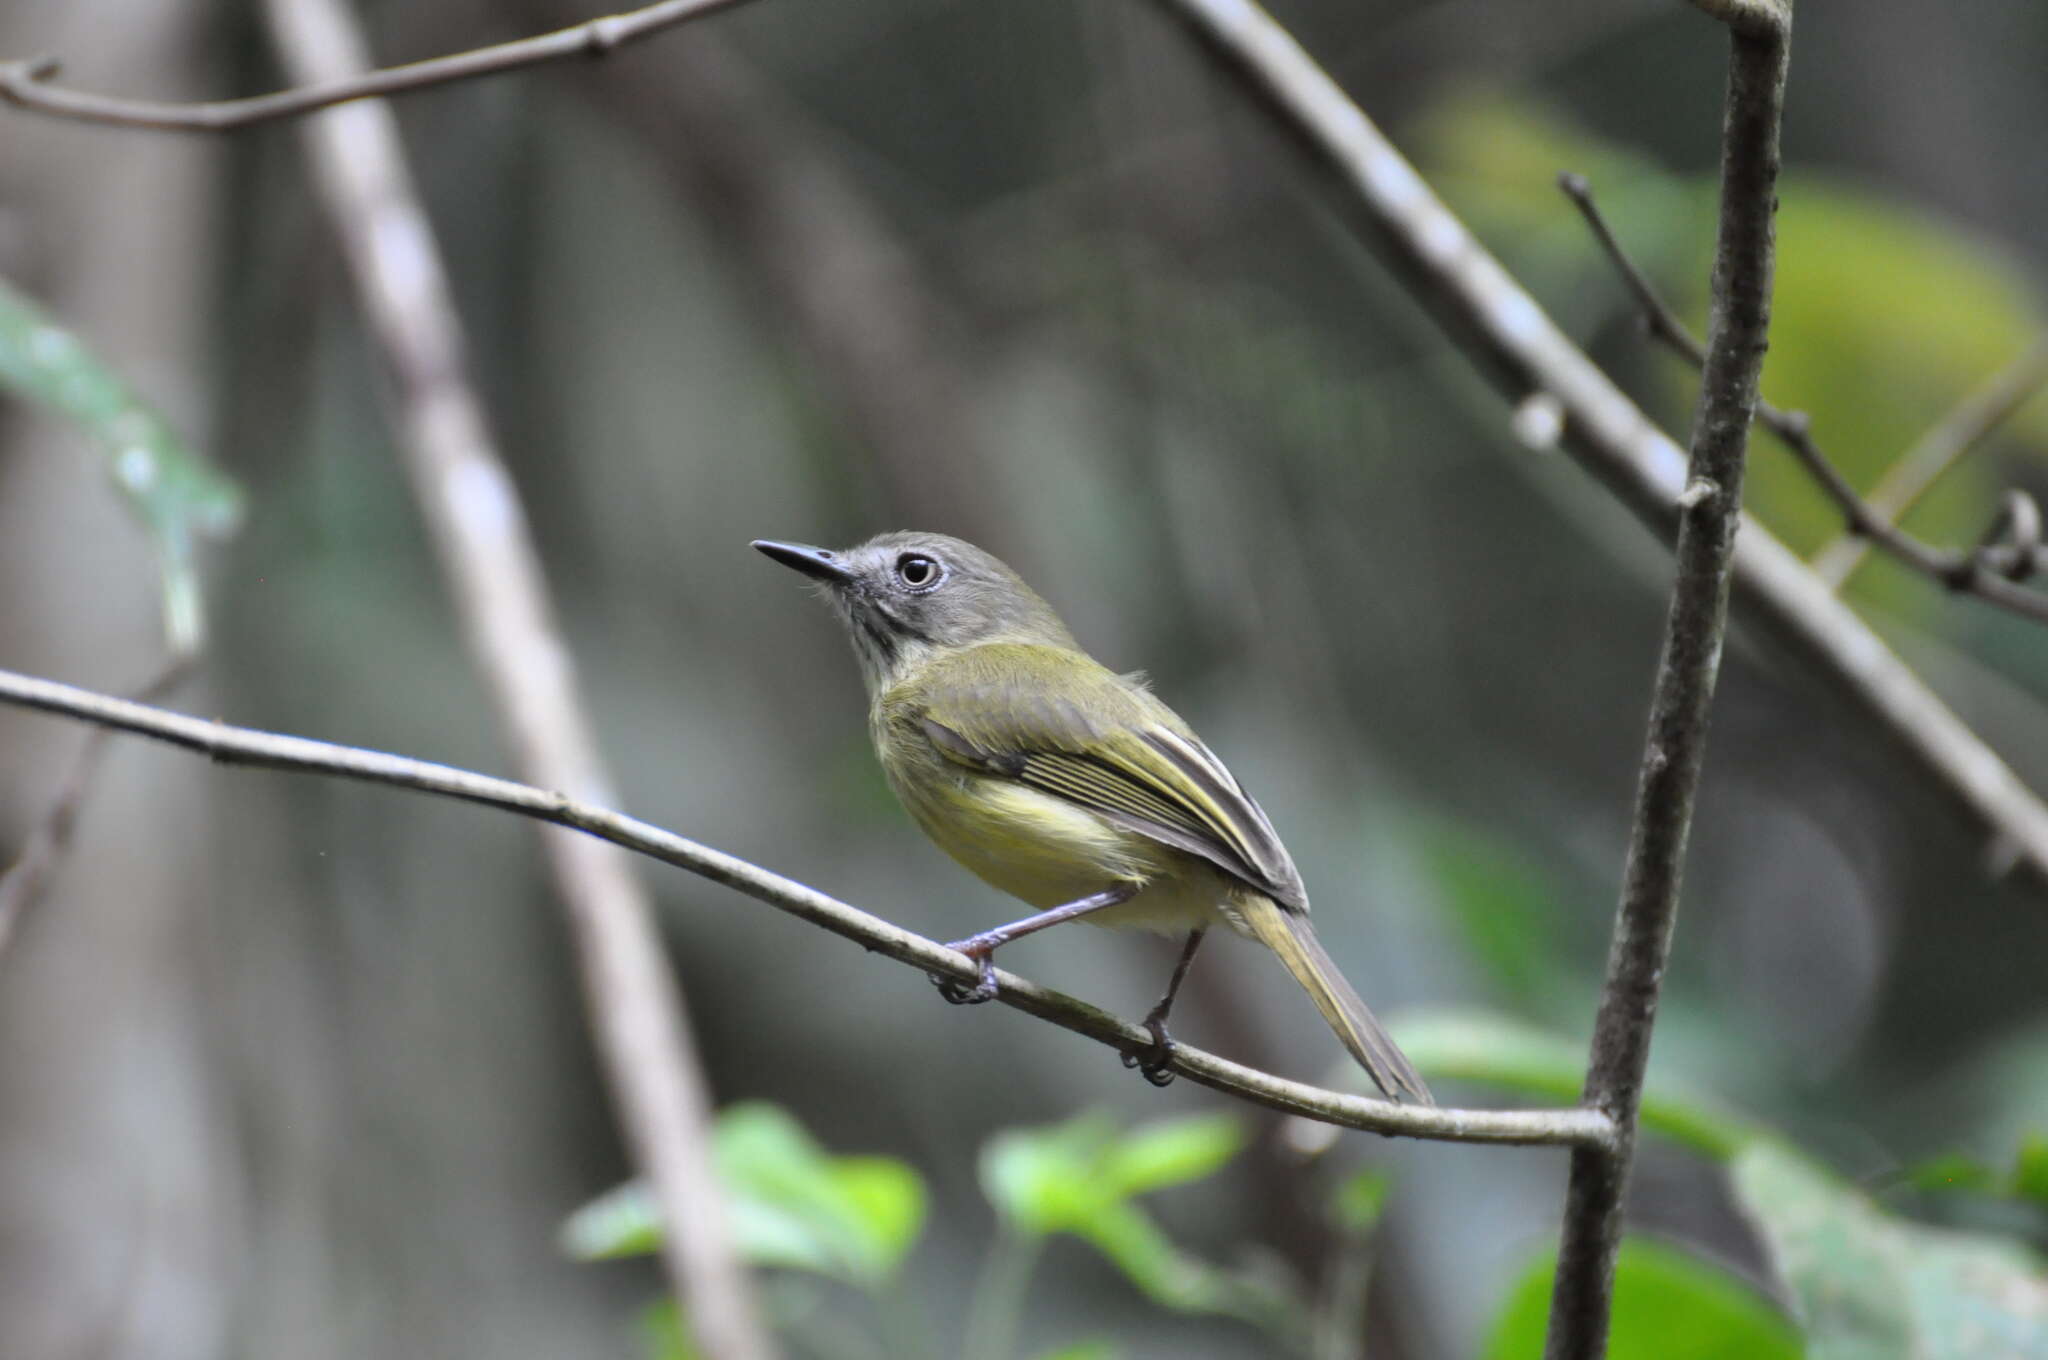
x: 984, y: 989
x: 1155, y: 1064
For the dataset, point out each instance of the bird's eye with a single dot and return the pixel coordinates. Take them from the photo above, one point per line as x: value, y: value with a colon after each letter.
x: 918, y: 571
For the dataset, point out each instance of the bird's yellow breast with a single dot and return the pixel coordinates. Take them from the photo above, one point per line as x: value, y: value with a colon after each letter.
x: 1047, y: 851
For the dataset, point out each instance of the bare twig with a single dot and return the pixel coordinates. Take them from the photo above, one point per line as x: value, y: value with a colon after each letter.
x: 246, y: 746
x: 1941, y: 448
x: 26, y: 880
x: 478, y: 527
x: 1990, y: 572
x: 26, y: 84
x: 1583, y: 1294
x: 1516, y: 345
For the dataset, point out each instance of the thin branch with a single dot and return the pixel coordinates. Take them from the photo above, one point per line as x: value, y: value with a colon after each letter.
x: 1990, y: 573
x: 26, y: 880
x: 1582, y: 1297
x: 26, y: 84
x: 1516, y: 344
x: 1941, y: 448
x: 478, y: 526
x: 249, y: 747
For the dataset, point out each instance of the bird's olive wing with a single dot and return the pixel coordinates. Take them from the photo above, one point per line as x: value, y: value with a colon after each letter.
x: 1120, y: 753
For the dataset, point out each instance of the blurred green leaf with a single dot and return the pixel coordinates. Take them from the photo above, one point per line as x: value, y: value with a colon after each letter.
x: 888, y: 1198
x: 620, y: 1222
x: 1359, y: 1201
x: 1953, y: 1171
x: 1668, y: 1305
x: 1483, y: 1047
x: 178, y: 495
x: 1156, y: 1156
x: 2030, y: 1169
x: 661, y: 1328
x: 1085, y: 1350
x: 1149, y: 1259
x: 1496, y: 157
x: 1044, y: 1181
x: 1872, y: 1285
x: 791, y: 1204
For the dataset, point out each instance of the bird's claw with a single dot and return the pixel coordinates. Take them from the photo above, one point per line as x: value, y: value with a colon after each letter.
x: 959, y: 993
x: 1155, y: 1064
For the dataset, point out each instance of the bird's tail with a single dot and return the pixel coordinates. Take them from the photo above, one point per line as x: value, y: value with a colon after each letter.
x: 1289, y: 934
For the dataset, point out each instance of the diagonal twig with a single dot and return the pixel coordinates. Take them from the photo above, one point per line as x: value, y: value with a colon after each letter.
x: 244, y: 746
x: 478, y: 526
x: 1941, y: 448
x: 1990, y: 572
x: 26, y: 84
x: 1582, y: 1295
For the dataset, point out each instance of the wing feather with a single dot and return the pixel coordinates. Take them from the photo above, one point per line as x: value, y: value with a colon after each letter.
x: 1110, y: 747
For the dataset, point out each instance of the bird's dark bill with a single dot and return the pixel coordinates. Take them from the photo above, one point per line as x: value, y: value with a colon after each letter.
x: 821, y: 563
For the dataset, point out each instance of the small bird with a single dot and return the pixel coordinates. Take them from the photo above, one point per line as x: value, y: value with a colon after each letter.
x: 1064, y: 784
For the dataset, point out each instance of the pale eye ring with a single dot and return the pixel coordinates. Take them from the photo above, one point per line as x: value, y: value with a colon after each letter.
x: 919, y: 572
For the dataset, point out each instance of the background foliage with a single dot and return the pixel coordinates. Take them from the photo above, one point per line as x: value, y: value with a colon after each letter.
x: 288, y: 1067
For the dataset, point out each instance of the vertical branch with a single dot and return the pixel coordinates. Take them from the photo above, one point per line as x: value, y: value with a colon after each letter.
x: 478, y: 527
x: 1711, y: 508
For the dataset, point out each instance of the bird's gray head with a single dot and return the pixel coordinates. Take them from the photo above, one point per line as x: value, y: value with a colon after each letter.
x: 908, y: 596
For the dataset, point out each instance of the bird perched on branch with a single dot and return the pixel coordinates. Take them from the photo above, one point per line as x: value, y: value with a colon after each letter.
x: 1063, y: 783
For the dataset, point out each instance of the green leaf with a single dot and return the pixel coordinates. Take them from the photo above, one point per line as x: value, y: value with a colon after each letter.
x: 790, y: 1204
x: 1668, y: 1305
x: 1079, y: 1178
x: 180, y: 498
x: 1358, y: 1203
x: 1871, y: 1285
x: 1499, y: 1051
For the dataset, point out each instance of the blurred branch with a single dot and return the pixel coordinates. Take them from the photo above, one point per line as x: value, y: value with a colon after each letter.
x: 26, y: 84
x: 1990, y: 572
x: 1582, y: 1297
x: 1516, y: 345
x: 26, y: 880
x: 1763, y: 19
x: 478, y: 527
x: 245, y: 746
x: 1941, y: 448
x: 885, y: 342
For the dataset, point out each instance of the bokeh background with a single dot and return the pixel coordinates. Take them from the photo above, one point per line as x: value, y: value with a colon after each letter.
x: 294, y: 1068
